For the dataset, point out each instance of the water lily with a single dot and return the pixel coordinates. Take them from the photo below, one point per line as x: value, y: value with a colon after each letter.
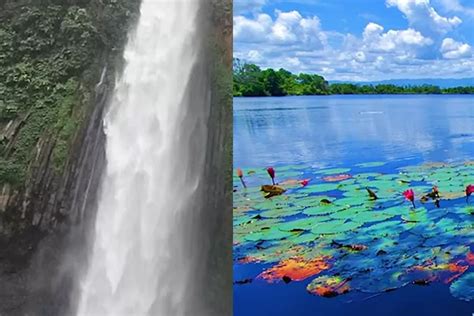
x: 410, y: 196
x: 304, y: 182
x: 240, y: 174
x: 271, y: 173
x: 469, y: 191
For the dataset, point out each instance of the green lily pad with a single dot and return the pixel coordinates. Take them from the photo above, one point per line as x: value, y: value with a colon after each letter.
x: 353, y: 201
x: 311, y: 201
x: 371, y: 216
x: 319, y: 188
x: 334, y: 227
x: 348, y: 213
x: 305, y: 223
x: 270, y: 234
x: 322, y: 210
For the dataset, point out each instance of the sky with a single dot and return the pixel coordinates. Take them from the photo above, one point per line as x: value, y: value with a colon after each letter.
x: 358, y: 40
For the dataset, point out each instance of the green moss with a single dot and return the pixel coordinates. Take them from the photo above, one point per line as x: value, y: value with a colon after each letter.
x: 10, y: 172
x: 51, y: 56
x: 66, y: 124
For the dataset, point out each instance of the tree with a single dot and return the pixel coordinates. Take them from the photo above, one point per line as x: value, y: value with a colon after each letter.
x: 250, y: 80
x: 274, y: 83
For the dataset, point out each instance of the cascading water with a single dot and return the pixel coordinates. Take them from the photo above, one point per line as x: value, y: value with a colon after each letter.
x: 148, y: 182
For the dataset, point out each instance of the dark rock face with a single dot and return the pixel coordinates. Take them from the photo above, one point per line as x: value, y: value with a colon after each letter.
x: 214, y: 221
x: 58, y: 61
x: 52, y: 99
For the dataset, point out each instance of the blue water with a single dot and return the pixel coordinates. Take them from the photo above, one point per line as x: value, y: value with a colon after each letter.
x: 343, y: 131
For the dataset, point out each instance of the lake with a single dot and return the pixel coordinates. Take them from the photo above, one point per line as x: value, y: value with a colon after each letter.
x: 325, y: 247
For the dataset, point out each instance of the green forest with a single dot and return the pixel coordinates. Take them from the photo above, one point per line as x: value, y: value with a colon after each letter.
x: 251, y: 80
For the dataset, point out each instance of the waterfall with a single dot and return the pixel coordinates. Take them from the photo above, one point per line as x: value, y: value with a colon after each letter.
x: 137, y: 265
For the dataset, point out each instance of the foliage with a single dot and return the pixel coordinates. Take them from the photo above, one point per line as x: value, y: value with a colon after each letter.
x: 335, y: 235
x: 251, y: 80
x: 347, y: 88
x: 50, y: 56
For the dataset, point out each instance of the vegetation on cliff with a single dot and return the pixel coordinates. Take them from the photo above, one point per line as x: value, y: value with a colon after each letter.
x: 251, y: 80
x: 51, y: 58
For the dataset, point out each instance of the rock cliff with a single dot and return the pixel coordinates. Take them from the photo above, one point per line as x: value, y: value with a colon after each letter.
x: 58, y: 63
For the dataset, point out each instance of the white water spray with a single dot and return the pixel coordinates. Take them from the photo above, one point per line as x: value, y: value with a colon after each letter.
x: 146, y: 184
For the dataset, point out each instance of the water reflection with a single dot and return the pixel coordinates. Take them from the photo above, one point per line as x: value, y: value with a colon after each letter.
x: 342, y: 130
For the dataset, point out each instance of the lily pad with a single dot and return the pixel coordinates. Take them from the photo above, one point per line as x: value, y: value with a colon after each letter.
x: 270, y: 234
x: 329, y: 286
x: 319, y: 188
x: 334, y: 227
x: 305, y: 223
x: 333, y: 171
x: 296, y: 269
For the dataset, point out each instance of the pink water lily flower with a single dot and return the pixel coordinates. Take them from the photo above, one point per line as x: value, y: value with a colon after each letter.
x: 469, y: 191
x: 304, y: 182
x: 410, y: 196
x: 240, y: 174
x: 271, y: 173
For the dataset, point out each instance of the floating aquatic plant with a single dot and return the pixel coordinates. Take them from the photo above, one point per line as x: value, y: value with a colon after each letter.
x: 356, y: 233
x: 296, y: 269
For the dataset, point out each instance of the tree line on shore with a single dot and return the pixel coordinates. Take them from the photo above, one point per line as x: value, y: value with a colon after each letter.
x: 251, y: 80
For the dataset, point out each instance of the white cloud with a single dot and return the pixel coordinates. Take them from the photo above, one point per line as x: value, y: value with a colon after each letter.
x: 393, y: 40
x: 456, y: 6
x: 248, y: 6
x: 300, y: 44
x: 289, y: 28
x: 293, y: 61
x: 372, y: 30
x: 252, y: 30
x: 423, y: 17
x: 360, y: 57
x: 283, y: 30
x: 452, y: 49
x: 254, y: 56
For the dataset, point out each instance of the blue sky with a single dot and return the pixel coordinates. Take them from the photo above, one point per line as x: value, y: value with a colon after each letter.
x: 358, y: 40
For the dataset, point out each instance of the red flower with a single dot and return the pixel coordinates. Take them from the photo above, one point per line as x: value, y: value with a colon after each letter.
x: 469, y: 189
x: 304, y: 182
x: 271, y: 172
x: 240, y: 174
x: 410, y: 196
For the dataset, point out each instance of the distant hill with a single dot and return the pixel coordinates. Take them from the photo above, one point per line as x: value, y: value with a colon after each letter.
x: 442, y: 83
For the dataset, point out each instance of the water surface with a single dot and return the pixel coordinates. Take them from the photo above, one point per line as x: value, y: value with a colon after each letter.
x: 343, y: 130
x: 307, y: 134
